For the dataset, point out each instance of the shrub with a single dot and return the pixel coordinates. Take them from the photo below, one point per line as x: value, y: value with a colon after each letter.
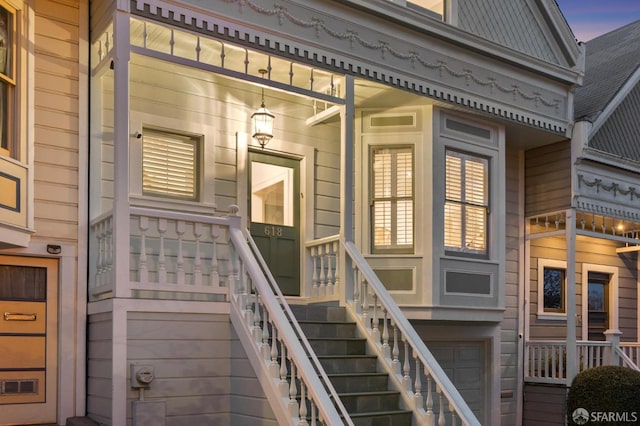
x: 606, y: 389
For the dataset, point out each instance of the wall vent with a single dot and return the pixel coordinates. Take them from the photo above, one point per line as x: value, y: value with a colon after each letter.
x: 467, y: 128
x: 18, y: 387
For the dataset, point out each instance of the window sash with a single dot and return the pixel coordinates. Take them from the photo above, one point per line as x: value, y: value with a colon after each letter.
x: 170, y: 165
x: 553, y: 288
x: 7, y: 76
x: 466, y: 206
x: 392, y: 199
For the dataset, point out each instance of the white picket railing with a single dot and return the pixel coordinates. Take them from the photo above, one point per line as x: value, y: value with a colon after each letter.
x: 546, y: 360
x: 168, y: 252
x: 424, y: 386
x: 325, y: 272
x: 274, y: 342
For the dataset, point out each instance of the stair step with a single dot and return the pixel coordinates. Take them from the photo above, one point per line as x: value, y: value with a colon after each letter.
x: 383, y: 418
x: 359, y: 382
x: 317, y: 312
x: 316, y: 329
x: 338, y: 345
x: 365, y: 402
x: 349, y: 363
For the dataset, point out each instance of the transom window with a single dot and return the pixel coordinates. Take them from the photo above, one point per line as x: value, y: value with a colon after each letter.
x: 7, y: 77
x: 170, y: 164
x: 392, y: 199
x: 466, y: 205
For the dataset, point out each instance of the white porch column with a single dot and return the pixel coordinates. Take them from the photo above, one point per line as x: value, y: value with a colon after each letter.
x: 572, y: 361
x: 120, y: 247
x: 121, y: 56
x: 347, y: 184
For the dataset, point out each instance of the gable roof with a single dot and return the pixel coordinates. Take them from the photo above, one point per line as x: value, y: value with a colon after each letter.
x: 535, y: 28
x: 610, y: 61
x: 610, y: 95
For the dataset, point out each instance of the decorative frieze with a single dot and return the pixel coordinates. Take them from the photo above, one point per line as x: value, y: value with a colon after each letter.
x: 355, y: 49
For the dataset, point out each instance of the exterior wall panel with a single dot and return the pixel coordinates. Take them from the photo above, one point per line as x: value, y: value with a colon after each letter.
x: 547, y: 177
x: 99, y: 366
x: 190, y: 354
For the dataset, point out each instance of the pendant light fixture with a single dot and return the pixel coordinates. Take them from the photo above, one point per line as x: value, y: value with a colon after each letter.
x: 262, y: 121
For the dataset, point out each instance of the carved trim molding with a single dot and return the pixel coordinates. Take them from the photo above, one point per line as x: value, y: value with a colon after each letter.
x: 613, y: 188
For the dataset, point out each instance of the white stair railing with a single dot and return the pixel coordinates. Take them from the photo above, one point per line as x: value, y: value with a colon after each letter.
x: 294, y: 381
x: 425, y: 386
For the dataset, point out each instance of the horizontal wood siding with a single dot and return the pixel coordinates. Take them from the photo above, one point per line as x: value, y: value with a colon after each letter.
x: 56, y: 117
x: 249, y: 406
x: 181, y: 98
x: 544, y: 405
x: 190, y: 354
x: 99, y: 367
x: 548, y: 178
x: 509, y: 326
x: 593, y: 251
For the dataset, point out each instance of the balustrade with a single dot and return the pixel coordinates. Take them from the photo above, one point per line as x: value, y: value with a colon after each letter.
x: 425, y: 386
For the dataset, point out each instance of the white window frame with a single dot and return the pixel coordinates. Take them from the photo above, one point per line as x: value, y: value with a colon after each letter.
x: 551, y: 264
x: 613, y: 273
x: 464, y: 204
x: 393, y: 248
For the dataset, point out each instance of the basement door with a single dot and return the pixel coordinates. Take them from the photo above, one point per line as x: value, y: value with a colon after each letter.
x: 28, y: 340
x: 274, y: 203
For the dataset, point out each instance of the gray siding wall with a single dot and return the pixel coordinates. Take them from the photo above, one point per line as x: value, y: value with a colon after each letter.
x: 190, y: 354
x: 509, y: 327
x: 547, y: 178
x: 544, y: 405
x: 249, y: 406
x: 99, y: 366
x: 593, y: 251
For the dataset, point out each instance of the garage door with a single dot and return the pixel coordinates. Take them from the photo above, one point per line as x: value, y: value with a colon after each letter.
x: 465, y: 364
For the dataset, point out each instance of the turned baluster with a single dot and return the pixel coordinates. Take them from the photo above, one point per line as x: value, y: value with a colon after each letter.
x: 162, y: 269
x: 142, y: 260
x: 180, y: 228
x: 197, y: 261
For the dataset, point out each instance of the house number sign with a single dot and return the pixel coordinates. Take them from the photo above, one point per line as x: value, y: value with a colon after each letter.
x: 272, y: 231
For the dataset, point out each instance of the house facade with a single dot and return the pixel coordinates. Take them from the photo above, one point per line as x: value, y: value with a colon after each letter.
x: 406, y: 178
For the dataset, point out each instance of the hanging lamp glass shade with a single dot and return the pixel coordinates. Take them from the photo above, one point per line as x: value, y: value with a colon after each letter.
x: 262, y: 125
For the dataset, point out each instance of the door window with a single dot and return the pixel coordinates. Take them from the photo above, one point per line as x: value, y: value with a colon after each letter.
x: 272, y: 194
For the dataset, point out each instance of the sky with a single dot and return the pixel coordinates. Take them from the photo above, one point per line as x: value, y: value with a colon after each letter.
x: 591, y: 18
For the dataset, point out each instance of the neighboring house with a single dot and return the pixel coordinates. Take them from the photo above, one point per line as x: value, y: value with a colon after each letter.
x: 43, y: 209
x: 588, y: 229
x: 405, y: 179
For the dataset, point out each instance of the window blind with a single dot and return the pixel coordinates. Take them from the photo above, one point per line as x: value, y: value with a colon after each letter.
x: 169, y: 165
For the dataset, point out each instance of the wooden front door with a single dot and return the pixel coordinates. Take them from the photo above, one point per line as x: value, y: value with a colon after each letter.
x: 274, y: 200
x: 28, y: 340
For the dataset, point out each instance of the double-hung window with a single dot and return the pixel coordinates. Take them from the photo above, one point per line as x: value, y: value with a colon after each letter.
x: 7, y: 78
x: 170, y: 165
x: 466, y: 207
x: 392, y: 199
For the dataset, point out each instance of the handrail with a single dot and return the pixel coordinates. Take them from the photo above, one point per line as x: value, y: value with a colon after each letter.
x: 626, y: 361
x: 411, y: 336
x: 294, y: 322
x: 276, y: 306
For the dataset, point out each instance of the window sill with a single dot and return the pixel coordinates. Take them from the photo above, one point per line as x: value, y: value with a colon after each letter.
x: 172, y: 204
x: 547, y: 316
